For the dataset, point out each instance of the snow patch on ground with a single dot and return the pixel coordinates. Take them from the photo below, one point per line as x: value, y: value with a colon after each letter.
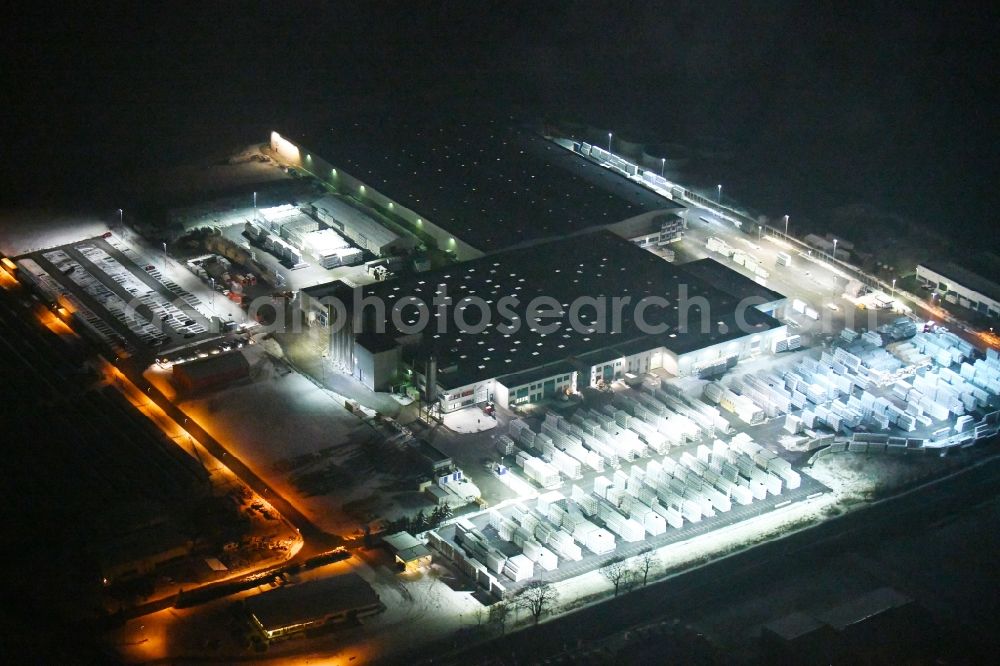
x: 305, y: 444
x: 28, y: 231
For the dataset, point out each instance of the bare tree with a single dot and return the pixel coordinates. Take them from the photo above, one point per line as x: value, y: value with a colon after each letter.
x: 537, y: 597
x: 647, y: 563
x: 499, y: 614
x: 631, y: 581
x: 616, y: 571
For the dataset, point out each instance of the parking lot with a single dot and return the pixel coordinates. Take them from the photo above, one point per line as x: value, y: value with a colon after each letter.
x: 123, y: 298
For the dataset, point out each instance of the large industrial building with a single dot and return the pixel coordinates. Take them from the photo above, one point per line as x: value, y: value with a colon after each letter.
x: 708, y: 315
x: 475, y: 187
x: 961, y: 286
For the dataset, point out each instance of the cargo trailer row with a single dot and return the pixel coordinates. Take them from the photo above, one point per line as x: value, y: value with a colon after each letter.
x: 53, y: 293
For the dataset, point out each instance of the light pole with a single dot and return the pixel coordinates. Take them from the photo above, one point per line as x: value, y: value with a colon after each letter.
x: 834, y: 249
x: 719, y: 200
x: 609, y: 142
x: 893, y: 288
x: 663, y: 164
x: 254, y: 206
x: 164, y: 255
x: 786, y: 225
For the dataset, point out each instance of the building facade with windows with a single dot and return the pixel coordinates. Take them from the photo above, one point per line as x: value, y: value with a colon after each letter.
x: 477, y: 331
x: 961, y: 286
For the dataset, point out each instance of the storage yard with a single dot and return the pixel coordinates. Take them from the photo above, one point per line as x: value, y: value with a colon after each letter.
x: 657, y: 466
x: 652, y: 468
x: 661, y: 500
x: 287, y: 233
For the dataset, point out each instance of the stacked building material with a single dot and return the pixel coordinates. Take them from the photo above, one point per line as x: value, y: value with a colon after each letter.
x: 519, y: 568
x: 476, y: 546
x: 872, y: 338
x: 649, y: 435
x: 566, y: 465
x: 540, y: 555
x: 742, y: 406
x: 538, y: 470
x: 505, y: 445
x: 594, y: 539
x: 545, y: 500
x: 517, y: 426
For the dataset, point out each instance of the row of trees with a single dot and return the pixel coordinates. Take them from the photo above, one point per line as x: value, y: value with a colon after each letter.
x: 421, y: 521
x: 536, y: 599
x: 625, y: 577
x: 539, y: 597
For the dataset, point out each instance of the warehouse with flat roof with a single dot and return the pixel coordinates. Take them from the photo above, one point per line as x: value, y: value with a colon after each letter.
x: 735, y: 284
x: 210, y: 372
x: 357, y: 225
x: 290, y: 610
x: 475, y: 186
x: 524, y: 324
x: 961, y: 286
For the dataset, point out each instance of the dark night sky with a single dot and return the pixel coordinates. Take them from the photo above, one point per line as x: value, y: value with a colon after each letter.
x: 818, y: 103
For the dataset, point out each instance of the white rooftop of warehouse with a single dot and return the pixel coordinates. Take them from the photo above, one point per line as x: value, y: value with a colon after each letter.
x: 326, y: 241
x: 356, y: 220
x: 279, y: 213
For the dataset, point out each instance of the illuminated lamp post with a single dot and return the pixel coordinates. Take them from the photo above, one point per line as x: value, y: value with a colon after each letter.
x: 786, y: 225
x: 663, y: 164
x: 719, y: 199
x: 609, y: 142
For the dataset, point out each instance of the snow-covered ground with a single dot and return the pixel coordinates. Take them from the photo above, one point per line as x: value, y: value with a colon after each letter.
x: 27, y: 231
x: 304, y: 443
x: 287, y: 430
x: 855, y: 477
x: 469, y: 420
